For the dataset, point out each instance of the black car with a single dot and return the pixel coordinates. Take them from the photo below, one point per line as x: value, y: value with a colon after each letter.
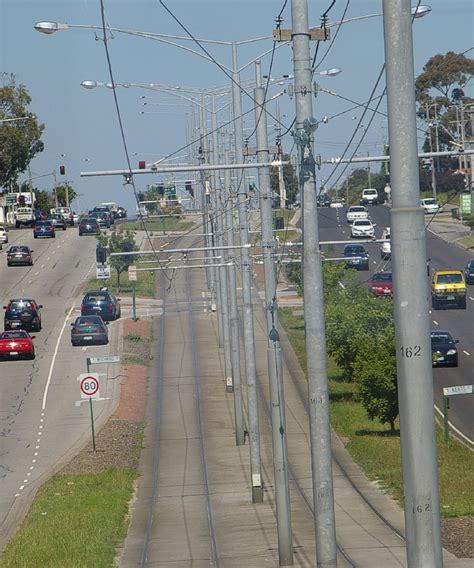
x: 89, y: 330
x: 101, y: 303
x: 89, y: 227
x: 22, y: 313
x: 357, y: 257
x: 121, y: 213
x: 19, y: 254
x: 469, y: 271
x: 323, y: 201
x: 58, y: 221
x: 443, y: 349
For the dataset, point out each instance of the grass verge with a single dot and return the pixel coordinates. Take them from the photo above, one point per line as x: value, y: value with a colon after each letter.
x: 75, y: 521
x: 467, y: 241
x: 166, y: 224
x: 145, y: 284
x: 374, y: 448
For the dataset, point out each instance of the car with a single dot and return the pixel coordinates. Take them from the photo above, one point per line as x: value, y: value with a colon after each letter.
x: 44, y: 229
x: 19, y: 255
x: 22, y: 313
x: 3, y: 235
x: 469, y: 271
x: 363, y: 228
x: 75, y: 217
x: 380, y: 283
x: 89, y: 227
x: 65, y: 213
x: 336, y: 203
x: 89, y: 330
x: 370, y: 196
x: 16, y: 344
x: 430, y: 206
x: 58, y: 221
x: 121, y: 213
x: 356, y: 212
x: 102, y: 218
x: 386, y: 246
x: 448, y: 288
x: 323, y: 200
x: 357, y: 257
x: 443, y: 349
x: 106, y: 210
x: 101, y: 303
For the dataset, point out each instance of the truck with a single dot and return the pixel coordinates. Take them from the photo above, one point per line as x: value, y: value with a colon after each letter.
x: 24, y: 216
x: 65, y: 212
x: 370, y: 196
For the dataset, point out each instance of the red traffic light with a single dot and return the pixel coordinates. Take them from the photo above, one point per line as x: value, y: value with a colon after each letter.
x: 62, y: 170
x: 141, y: 165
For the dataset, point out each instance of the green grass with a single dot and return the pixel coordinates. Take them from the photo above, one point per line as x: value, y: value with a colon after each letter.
x: 467, y: 241
x: 157, y: 226
x: 145, y: 284
x: 372, y: 445
x: 288, y: 235
x: 75, y: 521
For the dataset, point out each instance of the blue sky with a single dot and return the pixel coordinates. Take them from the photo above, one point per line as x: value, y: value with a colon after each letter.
x: 82, y: 130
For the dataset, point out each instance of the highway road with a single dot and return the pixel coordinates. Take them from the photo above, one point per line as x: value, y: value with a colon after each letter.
x: 40, y: 425
x: 333, y: 226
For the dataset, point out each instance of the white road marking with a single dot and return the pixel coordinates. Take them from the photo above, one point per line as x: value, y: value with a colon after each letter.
x: 36, y: 273
x: 466, y: 353
x: 435, y: 322
x: 451, y: 425
x: 471, y: 298
x: 55, y: 354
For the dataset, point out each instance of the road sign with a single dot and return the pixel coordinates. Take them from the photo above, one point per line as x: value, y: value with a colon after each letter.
x: 10, y: 198
x: 465, y: 202
x: 100, y: 360
x: 132, y: 273
x: 89, y: 385
x: 461, y: 389
x: 103, y: 272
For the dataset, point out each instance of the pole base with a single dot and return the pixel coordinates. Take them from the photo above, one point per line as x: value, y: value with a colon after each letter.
x: 257, y: 488
x: 229, y: 385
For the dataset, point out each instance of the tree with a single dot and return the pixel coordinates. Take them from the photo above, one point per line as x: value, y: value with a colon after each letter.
x: 289, y: 179
x: 44, y: 200
x: 61, y: 194
x: 119, y: 241
x: 20, y: 140
x: 358, y: 180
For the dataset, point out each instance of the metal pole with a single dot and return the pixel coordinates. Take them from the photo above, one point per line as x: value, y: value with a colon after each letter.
x: 274, y: 357
x: 205, y: 223
x: 316, y: 356
x: 433, y: 170
x: 445, y: 416
x: 134, y: 294
x: 412, y: 323
x: 281, y: 179
x: 246, y: 268
x: 92, y: 425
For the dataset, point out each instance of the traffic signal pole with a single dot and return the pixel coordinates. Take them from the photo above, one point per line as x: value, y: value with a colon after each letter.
x: 411, y: 309
x: 315, y: 325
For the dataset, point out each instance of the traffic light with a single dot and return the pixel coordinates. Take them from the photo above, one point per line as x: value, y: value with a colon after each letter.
x: 141, y: 165
x: 62, y: 170
x: 101, y: 255
x: 21, y: 200
x: 161, y: 189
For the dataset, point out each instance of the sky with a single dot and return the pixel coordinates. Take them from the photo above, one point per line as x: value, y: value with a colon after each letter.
x: 82, y: 127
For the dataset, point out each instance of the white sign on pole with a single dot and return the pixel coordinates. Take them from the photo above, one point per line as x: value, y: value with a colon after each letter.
x: 461, y: 389
x: 103, y: 272
x: 99, y: 360
x: 132, y: 273
x: 89, y: 385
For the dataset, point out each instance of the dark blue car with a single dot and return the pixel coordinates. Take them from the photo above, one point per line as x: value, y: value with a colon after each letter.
x: 44, y: 229
x: 357, y: 257
x: 101, y: 303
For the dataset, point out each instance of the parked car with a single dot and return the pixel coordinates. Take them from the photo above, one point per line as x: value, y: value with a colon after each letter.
x: 19, y: 255
x: 356, y: 212
x: 22, y: 313
x: 370, y: 196
x: 57, y: 220
x: 101, y: 303
x: 363, y: 228
x: 443, y: 349
x: 3, y: 235
x: 430, y: 206
x: 89, y: 330
x: 357, y: 257
x: 386, y: 247
x: 16, y: 345
x: 89, y: 227
x: 44, y: 229
x: 448, y: 288
x: 469, y: 271
x: 381, y: 283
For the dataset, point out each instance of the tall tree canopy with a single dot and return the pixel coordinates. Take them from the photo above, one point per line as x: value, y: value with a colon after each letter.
x: 20, y: 140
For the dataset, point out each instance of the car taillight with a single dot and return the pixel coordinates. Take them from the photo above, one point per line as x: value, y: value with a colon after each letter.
x: 111, y: 307
x: 75, y: 330
x: 82, y: 308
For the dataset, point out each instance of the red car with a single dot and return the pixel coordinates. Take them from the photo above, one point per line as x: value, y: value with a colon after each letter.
x: 16, y: 345
x: 381, y: 283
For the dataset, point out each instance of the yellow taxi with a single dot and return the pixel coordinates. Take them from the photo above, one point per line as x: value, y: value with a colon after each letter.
x: 448, y: 288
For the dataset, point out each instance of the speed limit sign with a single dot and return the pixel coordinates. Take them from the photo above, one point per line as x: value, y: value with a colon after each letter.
x: 89, y: 385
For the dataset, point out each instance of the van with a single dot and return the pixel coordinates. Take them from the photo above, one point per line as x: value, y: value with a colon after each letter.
x: 370, y: 196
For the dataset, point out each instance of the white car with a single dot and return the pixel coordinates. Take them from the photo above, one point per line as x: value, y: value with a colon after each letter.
x: 386, y: 248
x: 430, y: 205
x: 356, y: 212
x: 3, y: 234
x: 336, y: 203
x: 363, y: 228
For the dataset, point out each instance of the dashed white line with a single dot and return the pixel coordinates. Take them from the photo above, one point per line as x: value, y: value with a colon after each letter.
x: 466, y: 353
x: 435, y: 322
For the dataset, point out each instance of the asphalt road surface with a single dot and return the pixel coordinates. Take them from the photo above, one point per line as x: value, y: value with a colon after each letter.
x: 443, y: 255
x: 41, y: 426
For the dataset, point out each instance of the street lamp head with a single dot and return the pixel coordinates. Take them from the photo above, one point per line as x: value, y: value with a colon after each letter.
x: 330, y: 72
x: 420, y: 11
x: 89, y: 84
x: 47, y: 27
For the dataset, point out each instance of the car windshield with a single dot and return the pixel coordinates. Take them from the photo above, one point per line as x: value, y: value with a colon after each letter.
x: 88, y: 222
x: 88, y: 321
x: 470, y: 264
x: 439, y: 338
x: 382, y: 277
x: 362, y: 222
x: 430, y: 202
x: 99, y: 297
x: 449, y: 279
x: 356, y: 209
x: 14, y: 335
x: 20, y: 305
x: 18, y: 249
x: 43, y: 223
x: 357, y: 249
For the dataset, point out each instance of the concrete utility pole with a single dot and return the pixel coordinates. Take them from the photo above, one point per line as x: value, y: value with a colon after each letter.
x: 315, y: 325
x: 229, y: 255
x: 281, y: 179
x: 249, y: 336
x: 412, y: 322
x: 274, y: 357
x: 433, y: 169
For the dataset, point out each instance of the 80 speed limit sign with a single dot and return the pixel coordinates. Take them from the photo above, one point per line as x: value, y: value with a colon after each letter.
x: 89, y: 385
